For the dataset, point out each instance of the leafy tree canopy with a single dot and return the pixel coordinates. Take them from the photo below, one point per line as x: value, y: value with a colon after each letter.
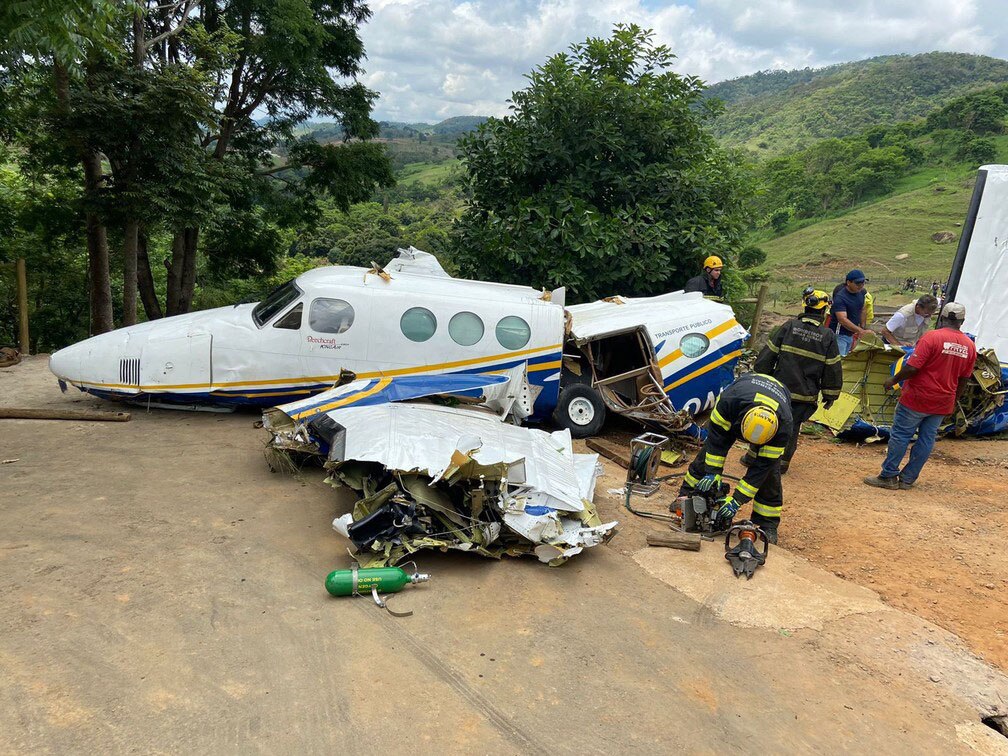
x: 603, y: 178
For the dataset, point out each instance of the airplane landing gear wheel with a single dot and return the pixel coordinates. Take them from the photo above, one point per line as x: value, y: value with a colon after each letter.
x: 581, y: 410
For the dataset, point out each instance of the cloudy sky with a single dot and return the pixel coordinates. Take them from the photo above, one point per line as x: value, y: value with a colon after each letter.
x: 431, y: 59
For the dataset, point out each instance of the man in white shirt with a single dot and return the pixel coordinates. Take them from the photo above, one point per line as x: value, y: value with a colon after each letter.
x: 910, y: 321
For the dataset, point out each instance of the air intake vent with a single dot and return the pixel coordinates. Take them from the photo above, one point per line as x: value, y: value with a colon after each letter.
x: 129, y: 371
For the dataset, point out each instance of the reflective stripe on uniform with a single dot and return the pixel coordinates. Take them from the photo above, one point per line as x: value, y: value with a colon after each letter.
x: 773, y: 347
x: 770, y: 452
x: 767, y: 401
x: 745, y: 489
x: 713, y: 460
x: 829, y: 394
x: 690, y: 480
x: 803, y: 398
x: 781, y: 385
x: 766, y: 511
x: 803, y: 353
x: 718, y: 419
x: 834, y: 360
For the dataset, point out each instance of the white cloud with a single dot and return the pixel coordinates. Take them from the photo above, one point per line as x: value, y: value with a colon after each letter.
x: 431, y: 59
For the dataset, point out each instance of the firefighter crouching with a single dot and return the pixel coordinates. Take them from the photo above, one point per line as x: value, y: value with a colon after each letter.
x: 803, y: 355
x: 756, y: 408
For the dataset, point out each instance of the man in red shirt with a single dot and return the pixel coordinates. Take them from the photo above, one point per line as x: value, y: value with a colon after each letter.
x: 933, y: 377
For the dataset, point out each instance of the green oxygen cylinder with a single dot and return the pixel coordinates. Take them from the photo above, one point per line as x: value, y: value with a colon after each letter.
x: 385, y: 579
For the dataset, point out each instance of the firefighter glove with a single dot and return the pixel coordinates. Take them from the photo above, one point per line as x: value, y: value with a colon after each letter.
x: 708, y: 483
x: 728, y: 508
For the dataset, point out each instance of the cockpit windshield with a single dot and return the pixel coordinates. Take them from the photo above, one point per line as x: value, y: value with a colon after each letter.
x: 275, y: 301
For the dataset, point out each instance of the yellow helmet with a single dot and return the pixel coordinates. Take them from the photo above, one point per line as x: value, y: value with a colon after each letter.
x: 713, y: 262
x: 815, y: 299
x: 759, y: 424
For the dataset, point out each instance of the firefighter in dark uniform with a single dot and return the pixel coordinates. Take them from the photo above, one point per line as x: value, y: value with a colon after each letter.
x: 709, y: 282
x: 803, y: 355
x: 755, y: 408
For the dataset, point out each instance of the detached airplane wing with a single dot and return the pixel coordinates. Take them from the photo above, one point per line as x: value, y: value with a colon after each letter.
x: 865, y: 409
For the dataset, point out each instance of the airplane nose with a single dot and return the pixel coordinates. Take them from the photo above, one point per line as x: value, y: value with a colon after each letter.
x: 66, y: 363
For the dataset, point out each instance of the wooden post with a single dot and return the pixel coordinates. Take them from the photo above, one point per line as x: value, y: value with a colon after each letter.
x: 761, y: 298
x: 22, y: 295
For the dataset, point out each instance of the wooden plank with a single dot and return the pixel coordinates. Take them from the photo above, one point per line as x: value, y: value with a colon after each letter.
x: 24, y: 413
x: 619, y: 455
x: 675, y: 540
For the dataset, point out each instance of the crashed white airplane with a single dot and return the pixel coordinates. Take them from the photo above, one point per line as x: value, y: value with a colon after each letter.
x: 660, y: 360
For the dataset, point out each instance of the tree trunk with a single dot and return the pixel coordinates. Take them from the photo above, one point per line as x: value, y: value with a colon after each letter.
x: 98, y: 252
x: 145, y: 280
x: 188, y: 284
x: 130, y: 242
x: 100, y: 296
x: 175, y: 266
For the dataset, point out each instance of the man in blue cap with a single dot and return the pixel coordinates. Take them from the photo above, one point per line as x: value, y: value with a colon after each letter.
x: 848, y: 303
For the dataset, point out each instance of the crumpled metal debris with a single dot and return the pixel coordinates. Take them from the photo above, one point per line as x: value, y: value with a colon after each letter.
x: 448, y: 477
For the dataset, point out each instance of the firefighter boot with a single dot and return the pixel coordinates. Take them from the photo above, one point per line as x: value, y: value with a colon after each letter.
x: 768, y: 525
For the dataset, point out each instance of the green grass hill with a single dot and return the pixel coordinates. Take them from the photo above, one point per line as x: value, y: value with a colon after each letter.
x: 774, y: 112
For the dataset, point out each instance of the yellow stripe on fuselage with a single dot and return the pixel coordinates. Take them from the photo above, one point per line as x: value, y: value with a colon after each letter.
x: 334, y: 378
x: 716, y: 331
x: 345, y: 400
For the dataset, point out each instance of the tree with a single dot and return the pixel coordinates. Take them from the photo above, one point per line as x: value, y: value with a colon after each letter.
x: 603, y: 178
x: 274, y: 65
x: 60, y: 36
x: 751, y: 257
x: 176, y: 113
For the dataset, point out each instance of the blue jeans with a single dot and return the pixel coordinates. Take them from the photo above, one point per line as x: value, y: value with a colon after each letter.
x: 846, y: 342
x: 905, y: 423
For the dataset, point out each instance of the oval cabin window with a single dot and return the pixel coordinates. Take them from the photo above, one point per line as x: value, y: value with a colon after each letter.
x: 693, y: 344
x: 465, y: 328
x: 513, y: 332
x: 330, y: 316
x: 418, y: 324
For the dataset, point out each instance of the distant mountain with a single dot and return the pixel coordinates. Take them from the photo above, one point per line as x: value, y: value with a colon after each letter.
x: 773, y: 112
x: 450, y: 127
x: 458, y: 125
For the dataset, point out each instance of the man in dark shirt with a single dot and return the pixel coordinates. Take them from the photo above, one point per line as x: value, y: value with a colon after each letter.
x: 848, y: 303
x: 709, y: 283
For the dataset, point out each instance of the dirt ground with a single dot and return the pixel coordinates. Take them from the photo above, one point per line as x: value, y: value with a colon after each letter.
x: 161, y: 590
x: 936, y: 550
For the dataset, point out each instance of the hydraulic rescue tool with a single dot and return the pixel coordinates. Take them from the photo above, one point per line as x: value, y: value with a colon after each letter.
x: 745, y: 557
x: 698, y: 512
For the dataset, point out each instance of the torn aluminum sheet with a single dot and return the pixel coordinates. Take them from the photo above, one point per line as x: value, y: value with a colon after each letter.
x: 508, y: 394
x: 866, y: 409
x: 431, y: 476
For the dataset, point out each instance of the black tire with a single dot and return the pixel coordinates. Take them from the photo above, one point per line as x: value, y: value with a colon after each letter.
x: 580, y: 410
